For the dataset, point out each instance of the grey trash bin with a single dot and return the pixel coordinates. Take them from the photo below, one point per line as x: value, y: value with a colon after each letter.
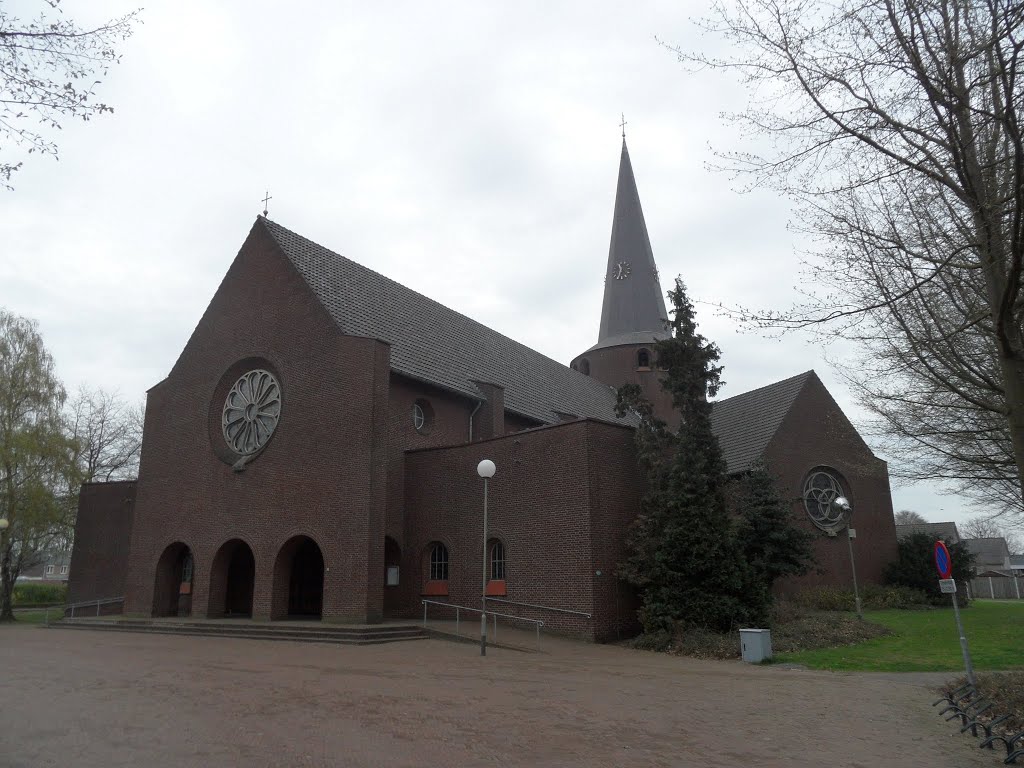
x: 756, y: 645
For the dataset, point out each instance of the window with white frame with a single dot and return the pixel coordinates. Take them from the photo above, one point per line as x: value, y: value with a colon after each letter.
x: 63, y: 570
x: 49, y: 570
x: 439, y: 563
x: 422, y: 416
x: 497, y: 561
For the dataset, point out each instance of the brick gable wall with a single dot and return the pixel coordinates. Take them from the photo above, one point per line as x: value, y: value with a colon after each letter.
x: 815, y: 433
x: 322, y: 474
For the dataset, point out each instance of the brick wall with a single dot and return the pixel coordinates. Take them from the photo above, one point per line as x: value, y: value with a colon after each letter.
x: 554, y: 502
x: 323, y: 473
x: 616, y: 366
x: 103, y: 528
x: 816, y: 433
x: 616, y: 488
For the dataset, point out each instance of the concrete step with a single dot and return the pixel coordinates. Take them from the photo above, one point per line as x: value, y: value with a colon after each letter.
x: 367, y: 635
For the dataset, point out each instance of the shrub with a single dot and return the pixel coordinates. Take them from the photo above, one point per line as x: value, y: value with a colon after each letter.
x: 30, y: 593
x: 659, y: 640
x: 876, y: 597
x: 873, y: 597
x: 916, y: 567
x: 826, y: 599
x: 793, y: 629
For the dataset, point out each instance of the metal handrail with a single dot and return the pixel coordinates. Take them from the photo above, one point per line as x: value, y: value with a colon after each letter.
x: 458, y: 608
x: 541, y: 607
x: 97, y: 603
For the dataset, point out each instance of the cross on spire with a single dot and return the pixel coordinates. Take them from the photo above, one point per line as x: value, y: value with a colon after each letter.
x: 266, y: 199
x: 622, y: 125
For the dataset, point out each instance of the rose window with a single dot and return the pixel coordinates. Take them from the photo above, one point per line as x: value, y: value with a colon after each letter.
x: 251, y: 412
x: 821, y: 489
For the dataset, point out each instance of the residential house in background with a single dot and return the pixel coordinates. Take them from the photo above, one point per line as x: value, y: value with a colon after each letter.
x: 993, y: 575
x: 52, y: 569
x: 945, y: 531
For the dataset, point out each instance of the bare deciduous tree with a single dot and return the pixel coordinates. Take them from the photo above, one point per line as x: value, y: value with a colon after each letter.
x: 895, y: 125
x: 982, y: 527
x: 49, y: 69
x: 908, y: 517
x: 108, y: 433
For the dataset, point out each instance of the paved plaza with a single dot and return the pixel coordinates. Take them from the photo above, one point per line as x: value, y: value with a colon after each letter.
x: 103, y: 699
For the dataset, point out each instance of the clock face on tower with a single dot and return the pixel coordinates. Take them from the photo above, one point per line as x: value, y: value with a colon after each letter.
x: 621, y: 270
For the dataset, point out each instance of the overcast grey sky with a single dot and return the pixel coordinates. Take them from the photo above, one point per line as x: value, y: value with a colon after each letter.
x: 466, y: 149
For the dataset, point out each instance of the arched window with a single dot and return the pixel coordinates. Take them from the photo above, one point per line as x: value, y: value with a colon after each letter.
x: 422, y: 416
x: 439, y: 563
x: 497, y: 561
x: 643, y: 359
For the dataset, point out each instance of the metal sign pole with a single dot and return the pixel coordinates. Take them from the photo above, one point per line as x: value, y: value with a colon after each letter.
x: 947, y: 585
x: 963, y: 641
x: 853, y: 568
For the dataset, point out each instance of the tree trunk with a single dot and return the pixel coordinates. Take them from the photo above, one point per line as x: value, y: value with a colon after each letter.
x: 6, y: 583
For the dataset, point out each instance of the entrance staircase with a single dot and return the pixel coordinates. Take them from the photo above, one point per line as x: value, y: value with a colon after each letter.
x: 294, y: 631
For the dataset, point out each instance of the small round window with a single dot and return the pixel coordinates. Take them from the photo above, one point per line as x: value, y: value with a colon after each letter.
x: 422, y: 416
x: 822, y: 487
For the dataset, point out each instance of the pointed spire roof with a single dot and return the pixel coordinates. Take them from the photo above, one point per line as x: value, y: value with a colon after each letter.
x: 634, y: 304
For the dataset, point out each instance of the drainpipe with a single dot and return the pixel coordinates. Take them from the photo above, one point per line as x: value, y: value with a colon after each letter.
x: 478, y: 404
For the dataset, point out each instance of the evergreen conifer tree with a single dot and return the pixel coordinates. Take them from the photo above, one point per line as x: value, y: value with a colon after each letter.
x: 683, y: 555
x: 772, y: 546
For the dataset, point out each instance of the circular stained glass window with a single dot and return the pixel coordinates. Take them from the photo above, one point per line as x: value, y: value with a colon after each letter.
x: 822, y: 487
x: 251, y: 412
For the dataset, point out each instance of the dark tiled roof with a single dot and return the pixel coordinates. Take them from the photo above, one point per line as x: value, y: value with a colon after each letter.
x: 746, y: 423
x: 945, y: 531
x: 990, y: 551
x: 435, y: 344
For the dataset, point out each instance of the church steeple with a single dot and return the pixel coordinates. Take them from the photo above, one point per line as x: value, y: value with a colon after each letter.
x: 633, y: 316
x: 634, y: 305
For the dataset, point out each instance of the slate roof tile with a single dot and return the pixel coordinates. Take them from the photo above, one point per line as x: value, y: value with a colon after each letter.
x: 435, y: 344
x: 746, y: 423
x: 440, y: 346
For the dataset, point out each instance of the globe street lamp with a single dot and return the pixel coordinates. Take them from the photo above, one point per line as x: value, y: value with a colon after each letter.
x: 486, y: 470
x: 3, y: 527
x: 842, y: 504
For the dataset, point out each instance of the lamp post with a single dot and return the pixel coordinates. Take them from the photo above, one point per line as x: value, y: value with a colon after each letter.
x: 3, y: 527
x: 843, y: 505
x: 486, y: 470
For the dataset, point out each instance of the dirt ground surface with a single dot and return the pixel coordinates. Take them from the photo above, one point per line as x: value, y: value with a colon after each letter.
x: 86, y: 698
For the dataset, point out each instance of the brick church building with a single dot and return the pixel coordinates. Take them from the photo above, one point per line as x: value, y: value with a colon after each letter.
x: 313, y: 452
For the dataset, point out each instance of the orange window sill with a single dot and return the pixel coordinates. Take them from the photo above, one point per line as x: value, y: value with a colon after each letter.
x: 496, y: 588
x: 435, y: 589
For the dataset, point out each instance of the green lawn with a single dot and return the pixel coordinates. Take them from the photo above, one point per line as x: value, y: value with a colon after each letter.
x: 32, y: 616
x: 926, y: 641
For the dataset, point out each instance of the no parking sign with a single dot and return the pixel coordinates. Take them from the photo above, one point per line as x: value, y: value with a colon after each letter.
x: 943, y: 562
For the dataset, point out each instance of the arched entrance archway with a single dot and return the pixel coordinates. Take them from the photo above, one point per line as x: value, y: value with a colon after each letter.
x: 298, y: 580
x: 231, y: 580
x: 392, y: 578
x: 172, y: 591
